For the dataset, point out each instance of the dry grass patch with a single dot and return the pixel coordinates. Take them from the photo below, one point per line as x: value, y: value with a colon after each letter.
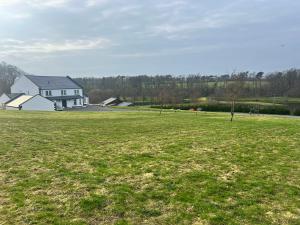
x: 143, y: 168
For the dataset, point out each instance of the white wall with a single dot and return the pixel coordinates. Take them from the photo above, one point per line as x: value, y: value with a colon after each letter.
x: 58, y: 105
x: 55, y: 93
x: 24, y: 85
x: 70, y: 103
x: 3, y: 98
x: 38, y: 103
x: 86, y: 100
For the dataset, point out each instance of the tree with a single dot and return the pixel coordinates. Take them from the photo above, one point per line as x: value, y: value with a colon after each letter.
x: 8, y: 74
x: 234, y: 90
x: 258, y: 78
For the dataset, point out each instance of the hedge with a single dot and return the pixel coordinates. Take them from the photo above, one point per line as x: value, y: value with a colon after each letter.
x: 242, y: 108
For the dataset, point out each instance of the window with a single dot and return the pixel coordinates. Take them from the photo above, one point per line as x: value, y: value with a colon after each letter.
x: 75, y: 102
x: 80, y: 101
x: 48, y: 93
x: 63, y: 92
x: 76, y: 92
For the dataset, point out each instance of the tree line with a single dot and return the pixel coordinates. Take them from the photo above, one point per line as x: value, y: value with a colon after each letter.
x: 177, y: 89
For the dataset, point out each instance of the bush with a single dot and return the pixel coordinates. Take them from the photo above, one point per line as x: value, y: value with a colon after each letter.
x: 144, y: 103
x: 223, y: 107
x: 297, y: 112
x: 275, y: 110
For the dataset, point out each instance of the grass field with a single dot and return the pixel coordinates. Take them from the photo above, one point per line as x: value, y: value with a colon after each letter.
x: 143, y: 168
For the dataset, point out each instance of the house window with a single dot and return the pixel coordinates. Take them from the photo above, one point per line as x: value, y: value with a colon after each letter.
x: 63, y: 92
x: 80, y: 101
x: 48, y: 93
x: 75, y: 102
x: 76, y: 92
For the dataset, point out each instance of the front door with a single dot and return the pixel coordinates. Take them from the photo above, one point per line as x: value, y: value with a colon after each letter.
x: 64, y: 103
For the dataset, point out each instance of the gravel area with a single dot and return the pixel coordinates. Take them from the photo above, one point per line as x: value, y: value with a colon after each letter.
x: 96, y: 108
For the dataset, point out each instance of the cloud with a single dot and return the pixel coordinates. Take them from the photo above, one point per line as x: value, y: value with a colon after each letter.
x: 188, y: 22
x: 8, y: 16
x: 34, y: 3
x: 170, y: 51
x: 171, y: 4
x: 91, y: 3
x: 144, y: 30
x: 12, y: 47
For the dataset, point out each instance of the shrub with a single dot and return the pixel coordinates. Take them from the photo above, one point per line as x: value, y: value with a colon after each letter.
x: 297, y: 112
x: 275, y: 110
x: 226, y: 107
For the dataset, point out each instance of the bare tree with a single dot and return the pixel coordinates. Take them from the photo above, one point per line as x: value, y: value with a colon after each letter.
x: 234, y: 90
x: 8, y: 74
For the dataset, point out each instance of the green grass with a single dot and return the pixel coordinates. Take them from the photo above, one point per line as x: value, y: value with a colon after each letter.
x: 143, y: 168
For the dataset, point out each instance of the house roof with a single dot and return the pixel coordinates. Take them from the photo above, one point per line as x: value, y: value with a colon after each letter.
x: 109, y: 101
x: 53, y: 82
x: 125, y: 104
x: 19, y: 101
x: 13, y: 96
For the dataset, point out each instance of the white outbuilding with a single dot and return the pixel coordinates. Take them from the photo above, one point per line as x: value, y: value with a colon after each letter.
x: 5, y: 98
x: 31, y: 103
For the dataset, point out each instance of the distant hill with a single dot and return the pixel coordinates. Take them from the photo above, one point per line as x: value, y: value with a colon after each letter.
x: 8, y: 74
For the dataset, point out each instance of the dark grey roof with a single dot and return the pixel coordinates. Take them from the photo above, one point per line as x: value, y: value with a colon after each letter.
x: 64, y: 97
x: 53, y: 82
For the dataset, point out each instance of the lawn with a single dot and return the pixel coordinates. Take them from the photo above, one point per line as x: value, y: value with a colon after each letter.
x: 146, y: 168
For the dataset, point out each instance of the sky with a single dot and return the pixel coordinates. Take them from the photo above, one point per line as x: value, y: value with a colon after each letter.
x: 131, y: 37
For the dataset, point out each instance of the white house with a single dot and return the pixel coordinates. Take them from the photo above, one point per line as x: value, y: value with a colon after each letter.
x: 5, y: 98
x: 32, y: 103
x: 63, y: 91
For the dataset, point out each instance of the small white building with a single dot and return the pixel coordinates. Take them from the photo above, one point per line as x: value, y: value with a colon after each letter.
x: 30, y: 103
x: 111, y: 102
x: 5, y: 98
x: 125, y: 104
x: 63, y: 91
x: 114, y: 102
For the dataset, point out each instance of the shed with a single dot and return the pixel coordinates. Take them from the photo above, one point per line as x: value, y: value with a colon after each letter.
x: 111, y: 102
x: 125, y: 104
x: 6, y: 98
x: 31, y: 103
x: 3, y: 99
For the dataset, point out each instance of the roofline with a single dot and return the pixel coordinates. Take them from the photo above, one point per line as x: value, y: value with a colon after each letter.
x: 12, y: 99
x: 4, y: 94
x: 20, y: 103
x: 65, y: 97
x: 75, y: 82
x: 26, y: 75
x: 51, y: 89
x: 34, y: 97
x: 28, y: 99
x: 53, y: 76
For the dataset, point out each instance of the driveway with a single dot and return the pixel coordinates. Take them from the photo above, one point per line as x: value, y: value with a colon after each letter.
x: 96, y: 108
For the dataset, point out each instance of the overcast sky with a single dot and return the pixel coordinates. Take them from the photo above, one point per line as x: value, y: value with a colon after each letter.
x: 129, y: 37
